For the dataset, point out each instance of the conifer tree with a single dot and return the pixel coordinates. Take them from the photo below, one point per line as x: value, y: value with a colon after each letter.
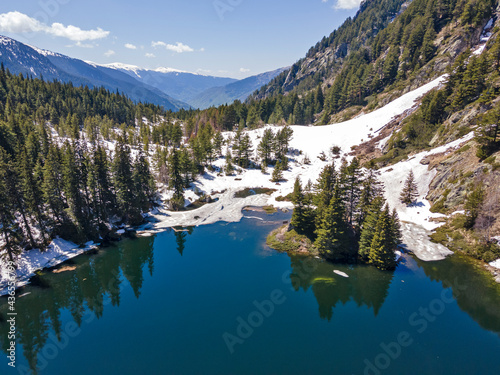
x: 229, y: 168
x: 218, y: 142
x: 325, y: 187
x: 9, y: 228
x: 144, y: 183
x: 32, y: 192
x: 176, y: 182
x: 371, y: 188
x: 352, y: 189
x: 410, y: 190
x: 382, y: 247
x: 52, y: 184
x: 265, y: 147
x: 369, y: 227
x: 332, y: 239
x: 277, y: 175
x: 124, y: 183
x: 302, y: 217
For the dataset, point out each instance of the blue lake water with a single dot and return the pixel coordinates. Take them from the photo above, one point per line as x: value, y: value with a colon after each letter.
x: 216, y: 300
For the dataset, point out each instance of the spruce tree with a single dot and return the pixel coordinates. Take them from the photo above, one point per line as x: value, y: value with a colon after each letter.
x: 176, y: 182
x: 229, y: 168
x: 144, y: 182
x: 325, y: 187
x: 124, y: 183
x: 302, y: 217
x: 265, y: 147
x: 52, y: 184
x: 382, y: 247
x: 277, y: 175
x: 332, y: 239
x: 410, y: 190
x: 218, y: 142
x: 352, y: 189
x: 9, y: 228
x: 369, y: 227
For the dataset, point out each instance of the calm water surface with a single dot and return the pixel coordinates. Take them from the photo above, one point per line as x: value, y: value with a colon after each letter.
x: 216, y: 300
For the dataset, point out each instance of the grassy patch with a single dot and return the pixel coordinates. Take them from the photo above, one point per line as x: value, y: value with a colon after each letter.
x: 290, y: 241
x: 270, y: 209
x: 455, y: 237
x: 253, y: 191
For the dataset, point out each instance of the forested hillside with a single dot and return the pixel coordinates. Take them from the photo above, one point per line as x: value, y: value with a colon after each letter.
x: 388, y: 48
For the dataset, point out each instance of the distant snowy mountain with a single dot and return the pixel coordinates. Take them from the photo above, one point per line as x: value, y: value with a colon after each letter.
x: 21, y: 58
x: 180, y: 84
x: 171, y: 88
x: 239, y: 90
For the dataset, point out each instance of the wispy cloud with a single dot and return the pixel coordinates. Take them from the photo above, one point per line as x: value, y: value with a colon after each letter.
x: 17, y: 22
x: 244, y: 70
x: 109, y: 53
x: 150, y: 55
x: 178, y: 47
x: 130, y: 46
x: 347, y: 4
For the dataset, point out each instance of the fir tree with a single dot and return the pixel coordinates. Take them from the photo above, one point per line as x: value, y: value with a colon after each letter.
x: 9, y: 228
x: 332, y: 239
x: 229, y: 168
x: 265, y: 147
x: 302, y: 217
x: 410, y: 190
x: 277, y: 175
x: 382, y: 247
x: 325, y: 187
x: 176, y: 182
x: 145, y: 186
x: 218, y: 142
x: 124, y: 183
x: 369, y: 227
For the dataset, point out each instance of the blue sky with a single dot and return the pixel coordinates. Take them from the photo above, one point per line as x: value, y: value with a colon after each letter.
x: 235, y: 38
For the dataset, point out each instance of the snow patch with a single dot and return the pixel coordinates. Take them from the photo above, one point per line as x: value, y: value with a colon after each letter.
x: 495, y: 264
x: 32, y: 260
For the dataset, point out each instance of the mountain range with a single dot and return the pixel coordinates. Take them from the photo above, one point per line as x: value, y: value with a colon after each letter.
x: 173, y: 89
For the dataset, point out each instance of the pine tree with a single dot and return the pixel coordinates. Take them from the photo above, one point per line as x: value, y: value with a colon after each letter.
x: 145, y: 186
x: 277, y: 175
x: 369, y: 227
x: 124, y: 183
x: 176, y: 182
x: 218, y: 142
x: 371, y: 188
x: 302, y: 217
x: 9, y: 228
x: 32, y: 192
x: 332, y: 239
x: 410, y: 190
x: 265, y: 147
x: 229, y: 168
x: 325, y: 187
x: 352, y: 189
x: 382, y: 247
x: 52, y: 184
x: 473, y: 205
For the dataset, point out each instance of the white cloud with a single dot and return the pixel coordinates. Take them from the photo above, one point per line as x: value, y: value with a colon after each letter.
x: 109, y: 53
x: 347, y: 4
x: 150, y: 55
x: 244, y: 70
x: 178, y: 47
x: 16, y: 22
x: 130, y: 46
